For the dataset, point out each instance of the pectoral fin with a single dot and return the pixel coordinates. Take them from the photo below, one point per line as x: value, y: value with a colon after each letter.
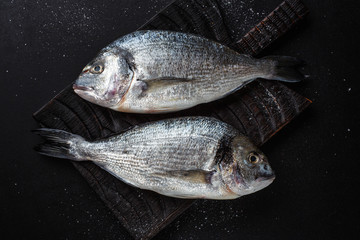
x: 145, y: 86
x: 194, y: 176
x: 166, y: 80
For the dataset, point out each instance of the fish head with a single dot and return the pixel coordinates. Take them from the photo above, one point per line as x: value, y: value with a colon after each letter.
x: 105, y: 80
x: 247, y: 170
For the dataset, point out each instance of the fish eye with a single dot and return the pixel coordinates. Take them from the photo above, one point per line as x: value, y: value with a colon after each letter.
x: 97, y: 69
x: 253, y: 158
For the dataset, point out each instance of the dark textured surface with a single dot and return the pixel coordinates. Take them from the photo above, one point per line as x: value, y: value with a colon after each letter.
x: 45, y: 46
x: 259, y: 110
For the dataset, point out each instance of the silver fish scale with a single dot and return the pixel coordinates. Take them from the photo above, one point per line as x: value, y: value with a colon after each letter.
x: 198, y: 56
x: 202, y: 69
x: 147, y: 153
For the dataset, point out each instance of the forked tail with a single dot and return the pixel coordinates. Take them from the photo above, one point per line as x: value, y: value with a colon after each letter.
x: 284, y: 68
x: 59, y: 144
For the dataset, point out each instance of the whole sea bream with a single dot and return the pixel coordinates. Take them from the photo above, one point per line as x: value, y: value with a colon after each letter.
x: 190, y: 157
x: 162, y: 71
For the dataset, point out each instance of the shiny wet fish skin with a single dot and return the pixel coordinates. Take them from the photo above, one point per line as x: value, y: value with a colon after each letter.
x: 162, y: 71
x: 192, y: 157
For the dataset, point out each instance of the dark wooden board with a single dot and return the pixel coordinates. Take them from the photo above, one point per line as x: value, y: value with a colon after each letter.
x: 258, y: 110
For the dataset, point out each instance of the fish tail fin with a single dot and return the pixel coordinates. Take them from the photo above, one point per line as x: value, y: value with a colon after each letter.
x: 284, y: 68
x: 59, y: 144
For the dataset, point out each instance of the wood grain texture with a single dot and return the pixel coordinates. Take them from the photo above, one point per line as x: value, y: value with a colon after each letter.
x: 277, y: 23
x: 259, y: 110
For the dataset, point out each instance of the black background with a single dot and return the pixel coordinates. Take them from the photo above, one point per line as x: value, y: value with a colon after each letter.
x: 45, y: 44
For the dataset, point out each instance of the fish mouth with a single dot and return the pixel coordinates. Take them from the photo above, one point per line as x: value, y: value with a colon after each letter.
x: 81, y: 88
x: 270, y: 177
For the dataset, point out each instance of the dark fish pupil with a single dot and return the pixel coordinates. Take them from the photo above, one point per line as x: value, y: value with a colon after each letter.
x: 253, y: 159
